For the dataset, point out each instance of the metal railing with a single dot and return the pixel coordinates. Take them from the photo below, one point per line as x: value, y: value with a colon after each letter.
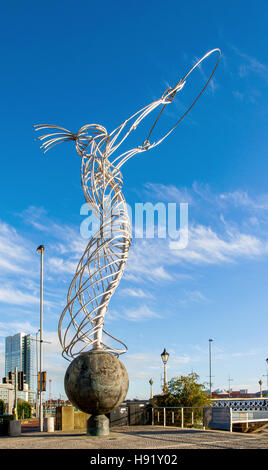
x: 179, y: 416
x: 249, y: 417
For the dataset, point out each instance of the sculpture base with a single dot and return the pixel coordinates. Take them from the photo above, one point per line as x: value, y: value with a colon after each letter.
x: 96, y: 382
x: 98, y: 426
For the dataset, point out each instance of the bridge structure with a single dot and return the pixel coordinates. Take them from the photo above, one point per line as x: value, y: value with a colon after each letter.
x: 241, y: 404
x: 228, y: 411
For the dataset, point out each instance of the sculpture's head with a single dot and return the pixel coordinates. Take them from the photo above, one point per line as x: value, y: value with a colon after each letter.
x: 89, y: 140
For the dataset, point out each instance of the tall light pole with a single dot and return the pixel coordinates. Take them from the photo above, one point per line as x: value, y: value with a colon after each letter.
x: 210, y: 382
x: 266, y: 375
x: 16, y: 392
x: 267, y: 372
x: 165, y: 356
x: 229, y: 389
x: 40, y: 250
x: 37, y: 390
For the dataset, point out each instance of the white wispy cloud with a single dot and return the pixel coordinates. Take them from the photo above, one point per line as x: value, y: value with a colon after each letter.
x: 131, y: 292
x: 60, y: 265
x: 14, y: 255
x: 206, y: 246
x: 143, y: 312
x: 242, y: 199
x: 134, y: 313
x: 169, y: 193
x: 250, y: 64
x: 13, y: 296
x: 193, y: 296
x: 13, y: 327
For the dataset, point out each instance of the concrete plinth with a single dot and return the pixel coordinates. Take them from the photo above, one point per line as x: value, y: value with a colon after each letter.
x: 65, y: 418
x: 80, y: 420
x: 14, y: 427
x: 98, y: 426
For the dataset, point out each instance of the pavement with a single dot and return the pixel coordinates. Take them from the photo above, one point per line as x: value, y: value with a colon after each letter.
x: 138, y: 437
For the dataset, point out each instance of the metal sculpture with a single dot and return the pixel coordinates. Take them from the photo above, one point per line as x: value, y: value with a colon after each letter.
x: 102, y: 265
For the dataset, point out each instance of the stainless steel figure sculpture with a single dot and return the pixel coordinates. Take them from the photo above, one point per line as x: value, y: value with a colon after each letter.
x: 102, y: 265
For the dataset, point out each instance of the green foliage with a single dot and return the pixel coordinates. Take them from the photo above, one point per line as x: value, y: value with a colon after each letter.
x: 24, y: 410
x: 185, y: 391
x: 2, y: 407
x: 188, y: 391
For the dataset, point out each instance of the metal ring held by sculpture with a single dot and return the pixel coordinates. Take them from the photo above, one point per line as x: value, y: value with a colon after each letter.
x: 174, y: 91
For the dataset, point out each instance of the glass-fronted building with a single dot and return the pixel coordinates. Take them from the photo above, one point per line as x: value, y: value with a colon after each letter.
x: 19, y: 352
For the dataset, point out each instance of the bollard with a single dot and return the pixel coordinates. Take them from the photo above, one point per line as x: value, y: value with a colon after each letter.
x: 49, y: 424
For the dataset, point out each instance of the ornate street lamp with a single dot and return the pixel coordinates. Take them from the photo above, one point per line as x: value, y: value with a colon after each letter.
x: 151, y: 388
x: 210, y: 376
x: 260, y: 384
x: 164, y: 357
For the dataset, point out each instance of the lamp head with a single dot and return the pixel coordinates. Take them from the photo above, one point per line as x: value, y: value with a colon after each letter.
x: 165, y: 356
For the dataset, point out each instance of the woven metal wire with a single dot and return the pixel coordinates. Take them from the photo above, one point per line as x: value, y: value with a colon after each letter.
x: 98, y: 273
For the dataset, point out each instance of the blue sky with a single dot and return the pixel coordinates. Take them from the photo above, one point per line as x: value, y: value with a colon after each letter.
x: 71, y: 65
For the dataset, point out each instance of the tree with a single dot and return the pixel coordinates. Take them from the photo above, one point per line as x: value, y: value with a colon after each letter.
x: 185, y: 391
x: 188, y: 391
x: 2, y: 407
x: 24, y: 410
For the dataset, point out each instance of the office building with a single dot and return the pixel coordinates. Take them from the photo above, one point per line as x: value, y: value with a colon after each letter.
x: 7, y: 394
x: 19, y: 352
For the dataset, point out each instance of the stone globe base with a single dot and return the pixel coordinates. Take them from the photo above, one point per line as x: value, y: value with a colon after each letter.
x: 96, y: 382
x: 98, y: 426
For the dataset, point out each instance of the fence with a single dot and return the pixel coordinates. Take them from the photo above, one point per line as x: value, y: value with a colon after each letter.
x: 183, y: 417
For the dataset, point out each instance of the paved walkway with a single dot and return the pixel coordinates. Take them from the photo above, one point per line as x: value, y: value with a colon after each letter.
x: 137, y: 437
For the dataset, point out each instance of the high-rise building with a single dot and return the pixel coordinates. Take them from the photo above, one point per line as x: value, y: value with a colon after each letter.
x: 19, y: 352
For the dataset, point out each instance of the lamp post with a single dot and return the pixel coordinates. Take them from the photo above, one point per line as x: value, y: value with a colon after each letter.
x: 267, y: 372
x: 210, y: 382
x: 229, y: 390
x: 37, y: 390
x: 40, y: 250
x: 151, y: 388
x: 164, y: 357
x: 16, y: 392
x: 266, y: 375
x: 260, y: 384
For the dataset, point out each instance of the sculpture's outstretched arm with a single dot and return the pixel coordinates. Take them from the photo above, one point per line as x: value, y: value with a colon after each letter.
x: 138, y: 117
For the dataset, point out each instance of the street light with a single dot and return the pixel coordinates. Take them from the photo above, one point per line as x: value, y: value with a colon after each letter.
x: 40, y: 250
x: 260, y: 384
x: 164, y: 357
x: 210, y: 382
x: 267, y: 372
x: 151, y: 388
